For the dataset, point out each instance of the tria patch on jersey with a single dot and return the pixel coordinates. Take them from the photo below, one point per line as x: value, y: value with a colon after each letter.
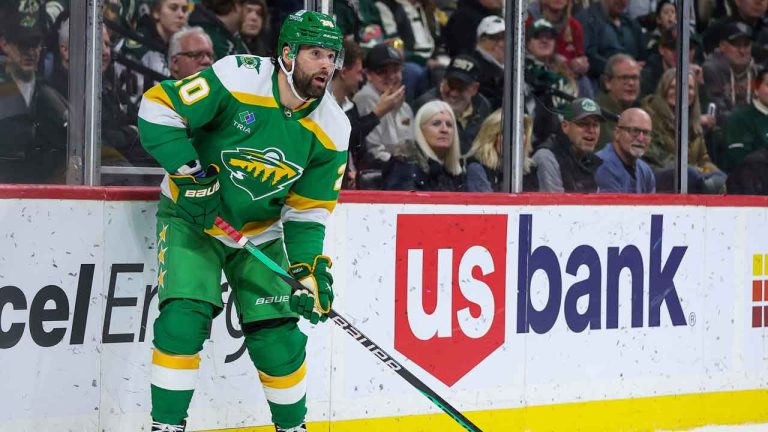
x: 260, y: 172
x: 249, y: 62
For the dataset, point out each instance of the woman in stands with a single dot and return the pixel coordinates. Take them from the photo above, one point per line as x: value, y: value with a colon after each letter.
x: 150, y: 48
x: 433, y: 162
x: 484, y: 159
x: 255, y: 28
x: 703, y: 175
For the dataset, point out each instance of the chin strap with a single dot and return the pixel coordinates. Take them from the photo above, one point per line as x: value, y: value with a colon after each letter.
x: 290, y: 77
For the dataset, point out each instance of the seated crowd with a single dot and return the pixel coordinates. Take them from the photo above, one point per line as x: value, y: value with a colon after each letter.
x: 422, y: 84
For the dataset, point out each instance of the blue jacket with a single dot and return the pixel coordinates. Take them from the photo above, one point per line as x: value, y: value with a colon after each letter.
x: 612, y: 175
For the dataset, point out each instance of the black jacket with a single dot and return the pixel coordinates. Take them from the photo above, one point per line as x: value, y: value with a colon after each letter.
x: 578, y: 174
x: 461, y: 31
x: 414, y: 171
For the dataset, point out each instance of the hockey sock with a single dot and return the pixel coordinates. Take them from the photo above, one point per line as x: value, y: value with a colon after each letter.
x: 277, y: 349
x: 180, y: 330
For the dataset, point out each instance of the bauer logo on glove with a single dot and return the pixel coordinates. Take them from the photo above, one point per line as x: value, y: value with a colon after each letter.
x: 315, y: 300
x: 197, y: 195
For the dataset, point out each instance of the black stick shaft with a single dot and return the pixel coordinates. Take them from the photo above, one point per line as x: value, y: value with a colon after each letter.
x: 353, y: 331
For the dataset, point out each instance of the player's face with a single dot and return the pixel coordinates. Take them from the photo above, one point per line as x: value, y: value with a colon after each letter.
x: 312, y: 71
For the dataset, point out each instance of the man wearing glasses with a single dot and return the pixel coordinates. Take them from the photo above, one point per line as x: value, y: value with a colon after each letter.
x: 565, y: 162
x: 622, y: 170
x: 189, y: 52
x: 621, y: 79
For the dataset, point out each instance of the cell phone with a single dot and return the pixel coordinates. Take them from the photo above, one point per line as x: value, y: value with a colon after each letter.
x: 711, y: 109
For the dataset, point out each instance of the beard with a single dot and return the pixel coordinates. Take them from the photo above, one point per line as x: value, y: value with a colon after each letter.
x: 305, y: 85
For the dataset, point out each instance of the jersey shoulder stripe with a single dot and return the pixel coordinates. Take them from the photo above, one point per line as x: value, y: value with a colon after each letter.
x: 329, y: 124
x: 247, y: 78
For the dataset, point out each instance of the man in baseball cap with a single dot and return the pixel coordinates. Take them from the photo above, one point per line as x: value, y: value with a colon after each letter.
x: 565, y: 161
x: 489, y: 55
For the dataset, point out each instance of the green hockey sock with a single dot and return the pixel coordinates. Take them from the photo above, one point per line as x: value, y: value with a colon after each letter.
x: 169, y: 406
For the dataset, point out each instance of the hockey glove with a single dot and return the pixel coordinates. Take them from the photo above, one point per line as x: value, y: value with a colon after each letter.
x: 197, y: 200
x: 315, y: 300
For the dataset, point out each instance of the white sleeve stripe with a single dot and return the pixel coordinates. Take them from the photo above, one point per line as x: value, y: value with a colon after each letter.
x: 155, y: 113
x: 319, y: 215
x: 286, y: 396
x: 174, y: 379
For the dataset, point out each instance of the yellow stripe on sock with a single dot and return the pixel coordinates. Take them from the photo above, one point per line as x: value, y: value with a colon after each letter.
x: 284, y: 382
x: 175, y: 361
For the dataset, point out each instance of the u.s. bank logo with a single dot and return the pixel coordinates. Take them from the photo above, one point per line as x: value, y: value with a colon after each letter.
x: 260, y: 172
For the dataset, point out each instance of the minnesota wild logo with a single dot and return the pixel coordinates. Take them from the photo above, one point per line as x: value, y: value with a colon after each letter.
x: 249, y: 62
x: 260, y: 172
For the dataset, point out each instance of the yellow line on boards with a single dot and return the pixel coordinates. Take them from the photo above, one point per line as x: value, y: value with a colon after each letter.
x: 680, y: 412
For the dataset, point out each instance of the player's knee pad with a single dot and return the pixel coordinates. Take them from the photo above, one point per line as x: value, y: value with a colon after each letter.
x: 278, y: 349
x: 183, y: 326
x: 276, y: 346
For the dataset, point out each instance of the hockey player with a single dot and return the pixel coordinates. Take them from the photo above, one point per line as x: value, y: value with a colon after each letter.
x: 267, y: 152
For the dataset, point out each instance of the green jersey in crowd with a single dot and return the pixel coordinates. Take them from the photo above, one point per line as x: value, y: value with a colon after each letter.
x: 281, y: 169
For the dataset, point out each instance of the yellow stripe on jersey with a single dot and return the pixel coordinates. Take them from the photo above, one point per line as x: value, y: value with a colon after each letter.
x: 158, y: 95
x: 299, y: 202
x: 284, y: 382
x: 175, y: 361
x: 249, y: 229
x: 313, y: 127
x: 252, y: 99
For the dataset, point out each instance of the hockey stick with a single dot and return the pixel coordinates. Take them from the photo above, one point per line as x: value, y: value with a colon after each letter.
x: 351, y: 330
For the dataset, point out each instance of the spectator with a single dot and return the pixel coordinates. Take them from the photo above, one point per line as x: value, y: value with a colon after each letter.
x: 622, y: 170
x: 465, y: 21
x: 222, y: 20
x: 664, y: 56
x: 255, y: 28
x: 168, y: 18
x: 414, y: 22
x: 459, y: 88
x: 747, y: 128
x: 665, y: 20
x: 751, y: 13
x: 346, y: 83
x: 703, y: 175
x: 489, y: 54
x: 728, y: 73
x: 190, y: 51
x: 750, y: 177
x: 433, y: 162
x: 359, y: 20
x: 569, y: 38
x: 622, y: 83
x: 384, y: 69
x: 484, y: 159
x: 566, y: 162
x: 33, y: 116
x: 548, y: 78
x: 609, y: 31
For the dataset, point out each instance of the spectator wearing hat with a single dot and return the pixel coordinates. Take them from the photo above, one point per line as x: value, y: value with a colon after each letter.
x: 460, y: 30
x: 33, y: 116
x: 622, y: 170
x: 608, y: 31
x: 489, y: 55
x: 728, y: 72
x: 565, y: 162
x: 548, y: 79
x: 663, y: 56
x: 460, y: 89
x: 384, y: 70
x: 752, y: 13
x: 346, y: 83
x: 569, y: 37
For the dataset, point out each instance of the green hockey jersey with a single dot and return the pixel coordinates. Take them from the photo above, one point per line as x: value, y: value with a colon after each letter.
x: 281, y: 169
